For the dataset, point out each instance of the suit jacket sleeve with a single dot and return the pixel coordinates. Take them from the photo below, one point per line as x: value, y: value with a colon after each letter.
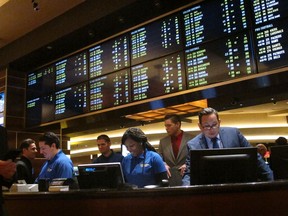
x: 160, y: 149
x: 190, y: 145
x: 264, y: 172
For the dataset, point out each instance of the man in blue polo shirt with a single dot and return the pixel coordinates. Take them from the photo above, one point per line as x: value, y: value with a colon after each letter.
x: 58, y: 165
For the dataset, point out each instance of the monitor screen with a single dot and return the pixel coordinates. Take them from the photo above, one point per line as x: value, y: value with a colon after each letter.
x: 155, y: 40
x: 71, y: 71
x: 40, y: 110
x: 100, y: 175
x: 213, y: 19
x: 158, y: 77
x: 267, y: 10
x: 271, y: 45
x: 109, y: 90
x: 279, y: 161
x: 219, y: 166
x: 33, y: 112
x: 40, y: 82
x: 71, y: 101
x: 217, y: 61
x: 109, y: 56
x: 48, y: 108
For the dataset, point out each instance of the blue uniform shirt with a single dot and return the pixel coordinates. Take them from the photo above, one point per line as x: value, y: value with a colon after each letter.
x: 60, y: 166
x: 143, y: 172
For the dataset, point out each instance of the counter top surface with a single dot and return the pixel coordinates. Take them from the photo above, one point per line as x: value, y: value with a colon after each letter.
x: 164, y: 191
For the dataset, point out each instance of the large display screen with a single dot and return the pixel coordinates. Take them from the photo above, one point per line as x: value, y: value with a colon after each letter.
x: 40, y: 110
x: 272, y: 45
x: 33, y: 112
x: 71, y: 71
x: 110, y: 90
x: 41, y: 82
x: 109, y: 56
x: 220, y: 60
x: 158, y: 77
x: 214, y: 19
x: 48, y: 108
x: 71, y: 101
x: 209, y: 42
x: 156, y: 39
x: 268, y: 10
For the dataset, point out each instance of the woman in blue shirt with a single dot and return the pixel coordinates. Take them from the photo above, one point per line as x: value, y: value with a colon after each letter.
x: 143, y: 166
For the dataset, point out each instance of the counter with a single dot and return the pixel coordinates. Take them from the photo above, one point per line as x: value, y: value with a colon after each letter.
x: 259, y: 198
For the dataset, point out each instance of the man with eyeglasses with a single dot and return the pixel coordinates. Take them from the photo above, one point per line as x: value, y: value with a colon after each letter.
x: 214, y: 136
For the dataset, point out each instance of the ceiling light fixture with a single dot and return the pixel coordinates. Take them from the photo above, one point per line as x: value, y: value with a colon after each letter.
x: 35, y: 5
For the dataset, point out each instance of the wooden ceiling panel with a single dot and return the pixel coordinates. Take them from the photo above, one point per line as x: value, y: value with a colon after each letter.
x: 180, y: 109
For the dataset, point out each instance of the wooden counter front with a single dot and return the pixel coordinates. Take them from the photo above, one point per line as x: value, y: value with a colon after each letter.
x: 267, y: 198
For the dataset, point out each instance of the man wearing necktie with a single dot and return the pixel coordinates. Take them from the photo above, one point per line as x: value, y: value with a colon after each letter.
x: 214, y: 136
x: 215, y: 143
x: 173, y: 149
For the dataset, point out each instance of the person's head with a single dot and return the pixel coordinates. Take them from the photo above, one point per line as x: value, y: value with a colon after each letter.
x: 281, y: 141
x: 135, y: 141
x: 261, y: 149
x: 49, y: 144
x: 172, y: 124
x: 103, y: 143
x: 209, y: 122
x: 28, y: 148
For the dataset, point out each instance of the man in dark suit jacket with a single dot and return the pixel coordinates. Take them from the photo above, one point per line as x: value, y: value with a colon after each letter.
x: 225, y: 137
x: 25, y: 170
x: 173, y: 149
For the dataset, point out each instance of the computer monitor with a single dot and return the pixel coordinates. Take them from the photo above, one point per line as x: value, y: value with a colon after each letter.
x: 219, y: 166
x: 279, y: 161
x: 100, y: 175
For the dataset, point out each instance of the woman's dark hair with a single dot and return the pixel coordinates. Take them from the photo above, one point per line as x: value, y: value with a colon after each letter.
x: 138, y: 136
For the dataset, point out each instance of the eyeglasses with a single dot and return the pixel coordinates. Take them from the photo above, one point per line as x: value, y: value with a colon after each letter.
x: 209, y: 127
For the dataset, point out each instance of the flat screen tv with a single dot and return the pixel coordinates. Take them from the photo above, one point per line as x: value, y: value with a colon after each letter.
x: 40, y: 82
x: 158, y: 77
x: 100, y: 175
x: 279, y: 161
x: 110, y: 56
x: 155, y: 40
x: 220, y: 166
x: 71, y: 101
x: 109, y: 90
x: 71, y: 71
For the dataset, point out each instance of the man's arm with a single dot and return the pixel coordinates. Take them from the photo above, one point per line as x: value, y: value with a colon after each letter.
x: 7, y: 171
x: 186, y: 176
x: 264, y: 172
